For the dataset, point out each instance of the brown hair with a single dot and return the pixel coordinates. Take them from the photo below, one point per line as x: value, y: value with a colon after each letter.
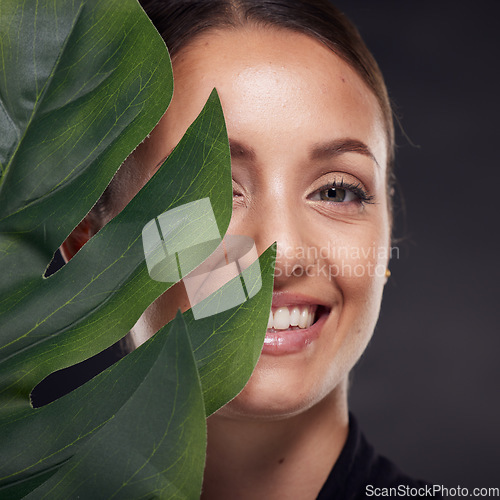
x: 180, y: 21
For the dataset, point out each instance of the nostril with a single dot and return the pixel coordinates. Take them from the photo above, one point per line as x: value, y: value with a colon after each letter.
x: 297, y: 270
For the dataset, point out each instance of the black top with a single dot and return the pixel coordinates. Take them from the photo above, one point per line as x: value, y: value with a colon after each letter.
x: 359, y: 471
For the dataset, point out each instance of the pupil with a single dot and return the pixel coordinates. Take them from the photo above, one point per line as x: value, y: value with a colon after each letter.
x: 333, y: 194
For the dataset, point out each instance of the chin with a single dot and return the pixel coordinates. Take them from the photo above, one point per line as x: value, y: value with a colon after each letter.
x: 278, y: 392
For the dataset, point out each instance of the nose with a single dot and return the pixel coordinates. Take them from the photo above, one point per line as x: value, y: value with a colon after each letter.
x: 282, y: 221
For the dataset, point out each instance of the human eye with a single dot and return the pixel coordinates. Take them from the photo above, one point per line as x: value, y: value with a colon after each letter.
x: 342, y: 192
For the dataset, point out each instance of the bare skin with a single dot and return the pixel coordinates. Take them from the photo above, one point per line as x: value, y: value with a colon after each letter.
x: 301, y: 123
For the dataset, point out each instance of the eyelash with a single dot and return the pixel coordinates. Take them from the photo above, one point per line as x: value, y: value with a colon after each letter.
x: 363, y: 197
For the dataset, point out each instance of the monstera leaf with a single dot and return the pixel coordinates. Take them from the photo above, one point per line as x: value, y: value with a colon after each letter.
x: 83, y: 82
x: 137, y: 430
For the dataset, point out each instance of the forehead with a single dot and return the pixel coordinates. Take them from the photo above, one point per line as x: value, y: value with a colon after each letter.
x: 273, y: 83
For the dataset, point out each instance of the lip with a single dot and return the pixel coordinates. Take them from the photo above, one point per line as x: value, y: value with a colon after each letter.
x: 282, y: 342
x: 286, y: 299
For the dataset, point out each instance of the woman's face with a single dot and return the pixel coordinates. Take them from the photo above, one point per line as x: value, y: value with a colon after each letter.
x: 309, y: 168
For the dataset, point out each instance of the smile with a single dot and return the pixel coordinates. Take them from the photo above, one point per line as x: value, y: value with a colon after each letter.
x: 291, y: 328
x: 284, y: 318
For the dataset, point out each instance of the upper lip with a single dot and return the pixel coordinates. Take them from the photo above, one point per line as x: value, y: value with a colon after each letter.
x: 286, y: 299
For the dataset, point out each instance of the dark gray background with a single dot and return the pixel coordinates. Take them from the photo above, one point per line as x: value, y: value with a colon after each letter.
x: 427, y: 390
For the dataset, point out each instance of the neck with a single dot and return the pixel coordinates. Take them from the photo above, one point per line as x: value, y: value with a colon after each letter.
x: 275, y: 459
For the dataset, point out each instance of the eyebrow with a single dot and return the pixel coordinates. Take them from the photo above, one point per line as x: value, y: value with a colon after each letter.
x: 340, y: 146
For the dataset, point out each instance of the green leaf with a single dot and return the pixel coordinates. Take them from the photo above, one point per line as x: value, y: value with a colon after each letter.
x: 228, y: 345
x: 98, y: 296
x: 75, y: 99
x: 40, y: 441
x: 154, y: 447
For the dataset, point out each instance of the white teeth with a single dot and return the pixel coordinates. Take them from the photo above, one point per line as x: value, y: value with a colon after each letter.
x: 294, y: 316
x: 310, y: 319
x: 281, y: 318
x: 286, y: 317
x: 304, y: 316
x: 270, y: 321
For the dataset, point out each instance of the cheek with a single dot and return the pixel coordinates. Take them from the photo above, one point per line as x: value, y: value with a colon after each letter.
x: 358, y: 266
x: 362, y: 293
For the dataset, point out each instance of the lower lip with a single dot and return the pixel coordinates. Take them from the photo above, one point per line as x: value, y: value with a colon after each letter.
x: 280, y: 342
